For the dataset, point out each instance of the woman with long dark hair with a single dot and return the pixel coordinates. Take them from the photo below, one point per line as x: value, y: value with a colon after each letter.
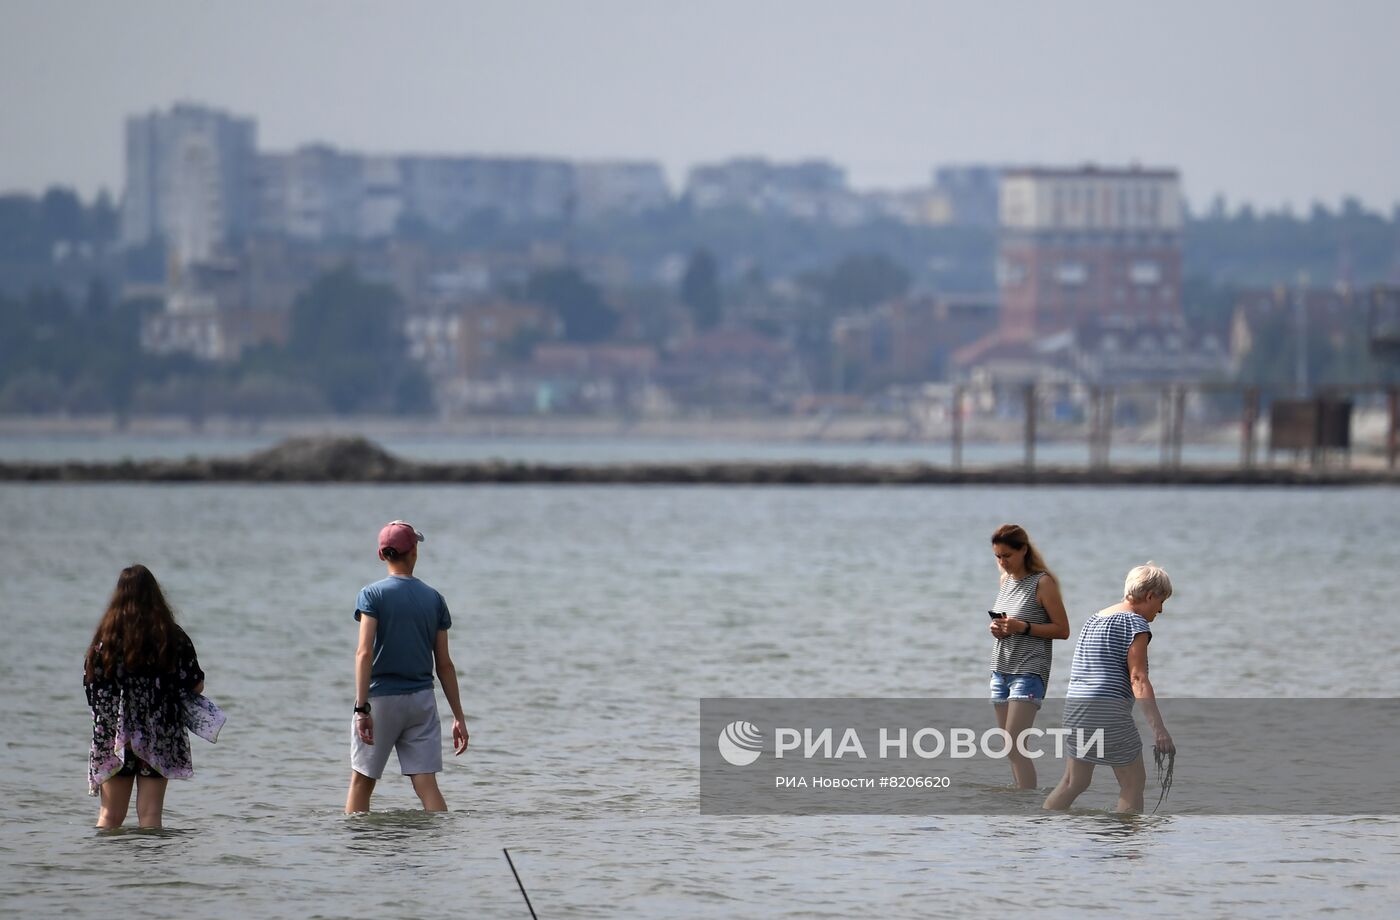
x: 140, y: 669
x: 1028, y: 614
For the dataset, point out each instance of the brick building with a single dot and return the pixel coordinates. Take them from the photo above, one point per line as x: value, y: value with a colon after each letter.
x: 1082, y: 249
x: 1087, y: 244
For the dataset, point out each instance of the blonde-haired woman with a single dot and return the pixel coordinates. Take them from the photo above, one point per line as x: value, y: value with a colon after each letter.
x: 1108, y: 675
x: 1027, y: 616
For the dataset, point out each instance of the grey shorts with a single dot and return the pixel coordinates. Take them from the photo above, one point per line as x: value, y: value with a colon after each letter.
x: 407, y: 723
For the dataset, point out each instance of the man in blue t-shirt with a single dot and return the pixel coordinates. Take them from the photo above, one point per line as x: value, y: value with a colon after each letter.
x: 403, y: 640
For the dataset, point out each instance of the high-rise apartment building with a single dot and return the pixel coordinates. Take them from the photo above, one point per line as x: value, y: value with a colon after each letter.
x: 314, y: 193
x: 188, y: 180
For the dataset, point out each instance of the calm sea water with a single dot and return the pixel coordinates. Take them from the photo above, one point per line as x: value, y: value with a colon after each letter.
x: 588, y: 624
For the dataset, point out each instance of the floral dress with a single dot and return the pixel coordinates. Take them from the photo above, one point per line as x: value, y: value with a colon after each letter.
x: 143, y: 715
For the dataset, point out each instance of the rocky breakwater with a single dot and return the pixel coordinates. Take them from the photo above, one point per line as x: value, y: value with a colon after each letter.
x: 330, y: 459
x: 356, y: 459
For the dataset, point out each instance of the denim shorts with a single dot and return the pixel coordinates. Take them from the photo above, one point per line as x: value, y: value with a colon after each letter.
x: 1029, y: 688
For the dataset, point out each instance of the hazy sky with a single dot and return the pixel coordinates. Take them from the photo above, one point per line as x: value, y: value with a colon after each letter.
x: 1267, y: 101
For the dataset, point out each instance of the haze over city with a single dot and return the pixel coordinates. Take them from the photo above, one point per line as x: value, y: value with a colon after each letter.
x: 731, y: 362
x: 1266, y: 103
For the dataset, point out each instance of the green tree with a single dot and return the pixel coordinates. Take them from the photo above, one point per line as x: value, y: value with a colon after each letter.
x: 62, y: 216
x: 863, y: 280
x: 103, y: 219
x: 21, y: 232
x: 345, y: 338
x: 579, y: 303
x: 700, y: 289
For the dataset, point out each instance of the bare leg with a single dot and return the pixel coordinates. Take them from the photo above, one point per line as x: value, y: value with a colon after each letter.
x: 361, y: 788
x: 1001, y: 724
x: 1078, y: 775
x: 115, y: 798
x: 425, y: 784
x: 1020, y: 715
x: 1131, y: 780
x: 150, y: 799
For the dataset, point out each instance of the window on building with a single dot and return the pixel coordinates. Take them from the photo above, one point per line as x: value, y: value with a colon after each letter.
x: 1072, y: 273
x: 1144, y: 271
x: 1010, y: 273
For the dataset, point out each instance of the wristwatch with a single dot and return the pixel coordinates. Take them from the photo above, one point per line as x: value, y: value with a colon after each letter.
x: 363, y: 710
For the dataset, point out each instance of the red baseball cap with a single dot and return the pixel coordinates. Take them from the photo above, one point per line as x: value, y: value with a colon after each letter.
x: 400, y: 536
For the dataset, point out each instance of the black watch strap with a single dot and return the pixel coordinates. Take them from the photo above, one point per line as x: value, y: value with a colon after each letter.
x: 363, y: 709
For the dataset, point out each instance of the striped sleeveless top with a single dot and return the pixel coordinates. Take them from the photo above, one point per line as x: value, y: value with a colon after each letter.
x: 1022, y: 654
x: 1100, y: 693
x: 1100, y: 668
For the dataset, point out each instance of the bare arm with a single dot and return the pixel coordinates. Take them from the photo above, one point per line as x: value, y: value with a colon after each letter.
x: 364, y: 661
x: 447, y: 676
x: 1142, y: 690
x: 1047, y: 592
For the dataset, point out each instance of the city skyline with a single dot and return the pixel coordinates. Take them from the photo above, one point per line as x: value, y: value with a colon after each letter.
x: 888, y: 93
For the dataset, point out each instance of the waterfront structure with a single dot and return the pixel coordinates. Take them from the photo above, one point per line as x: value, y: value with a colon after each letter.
x: 1109, y: 352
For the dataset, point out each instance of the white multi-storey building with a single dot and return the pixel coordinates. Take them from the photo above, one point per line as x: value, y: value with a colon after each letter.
x: 188, y: 180
x: 609, y: 188
x: 195, y: 179
x: 812, y: 190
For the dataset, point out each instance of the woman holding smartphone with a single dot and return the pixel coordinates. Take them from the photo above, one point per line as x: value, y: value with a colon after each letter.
x: 1028, y: 614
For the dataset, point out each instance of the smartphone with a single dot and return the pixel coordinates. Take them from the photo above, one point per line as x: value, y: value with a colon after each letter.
x: 994, y: 615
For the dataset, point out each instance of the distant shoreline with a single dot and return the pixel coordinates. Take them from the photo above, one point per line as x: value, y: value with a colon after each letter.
x: 837, y: 429
x: 357, y: 460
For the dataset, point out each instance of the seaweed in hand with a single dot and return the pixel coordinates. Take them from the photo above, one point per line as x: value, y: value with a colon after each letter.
x: 1166, y: 766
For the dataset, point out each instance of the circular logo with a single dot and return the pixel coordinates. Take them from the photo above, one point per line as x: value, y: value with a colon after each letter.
x: 740, y: 743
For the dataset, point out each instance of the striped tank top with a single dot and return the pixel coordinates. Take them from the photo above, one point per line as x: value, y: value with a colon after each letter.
x: 1100, y: 693
x: 1022, y: 654
x: 1100, y: 668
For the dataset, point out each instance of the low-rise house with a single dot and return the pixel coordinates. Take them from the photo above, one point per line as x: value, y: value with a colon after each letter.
x: 731, y: 367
